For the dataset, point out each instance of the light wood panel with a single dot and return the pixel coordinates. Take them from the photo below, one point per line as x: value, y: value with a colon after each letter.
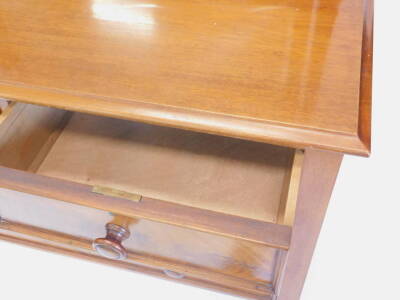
x: 3, y: 105
x: 284, y: 72
x: 287, y: 208
x: 24, y: 129
x: 220, y: 174
x: 366, y: 74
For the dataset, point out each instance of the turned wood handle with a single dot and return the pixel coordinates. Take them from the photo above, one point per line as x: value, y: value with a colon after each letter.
x: 111, y: 246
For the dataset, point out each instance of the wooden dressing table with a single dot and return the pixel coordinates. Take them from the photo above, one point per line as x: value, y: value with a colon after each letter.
x: 197, y: 141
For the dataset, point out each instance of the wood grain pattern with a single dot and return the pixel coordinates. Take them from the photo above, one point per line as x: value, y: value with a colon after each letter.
x: 23, y: 131
x: 291, y: 73
x: 198, y: 282
x: 3, y: 106
x: 48, y: 141
x: 152, y: 243
x: 75, y: 243
x: 283, y: 72
x: 226, y: 175
x: 318, y: 177
x: 158, y: 162
x: 366, y: 75
x: 287, y: 208
x: 7, y: 110
x: 274, y: 235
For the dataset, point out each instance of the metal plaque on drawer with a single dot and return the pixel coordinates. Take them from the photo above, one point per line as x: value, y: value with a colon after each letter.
x: 107, y: 191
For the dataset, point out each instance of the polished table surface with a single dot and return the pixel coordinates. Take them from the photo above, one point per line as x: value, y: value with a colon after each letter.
x: 285, y: 72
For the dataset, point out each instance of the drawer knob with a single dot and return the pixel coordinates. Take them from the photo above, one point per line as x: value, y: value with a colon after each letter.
x: 111, y: 246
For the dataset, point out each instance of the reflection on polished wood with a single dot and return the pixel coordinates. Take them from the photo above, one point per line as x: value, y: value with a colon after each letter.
x: 284, y: 72
x: 224, y: 286
x: 184, y: 249
x: 230, y: 214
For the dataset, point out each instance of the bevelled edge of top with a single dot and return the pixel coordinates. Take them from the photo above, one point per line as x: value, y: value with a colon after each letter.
x: 188, y: 119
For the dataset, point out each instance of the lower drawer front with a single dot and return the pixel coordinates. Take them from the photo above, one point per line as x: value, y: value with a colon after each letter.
x: 180, y: 253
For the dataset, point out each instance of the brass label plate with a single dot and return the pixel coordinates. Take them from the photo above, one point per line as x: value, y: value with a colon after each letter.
x: 102, y: 190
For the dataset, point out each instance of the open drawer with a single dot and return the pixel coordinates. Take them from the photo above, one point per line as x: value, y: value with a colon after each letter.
x: 203, y: 208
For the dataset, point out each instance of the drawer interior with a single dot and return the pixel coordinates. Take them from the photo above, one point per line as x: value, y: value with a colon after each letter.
x: 227, y: 175
x: 234, y: 190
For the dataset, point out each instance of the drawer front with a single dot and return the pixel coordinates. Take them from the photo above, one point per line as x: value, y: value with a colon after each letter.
x: 177, y: 251
x: 208, y: 209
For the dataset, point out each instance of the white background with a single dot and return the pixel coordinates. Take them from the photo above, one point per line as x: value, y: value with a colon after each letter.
x: 357, y: 256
